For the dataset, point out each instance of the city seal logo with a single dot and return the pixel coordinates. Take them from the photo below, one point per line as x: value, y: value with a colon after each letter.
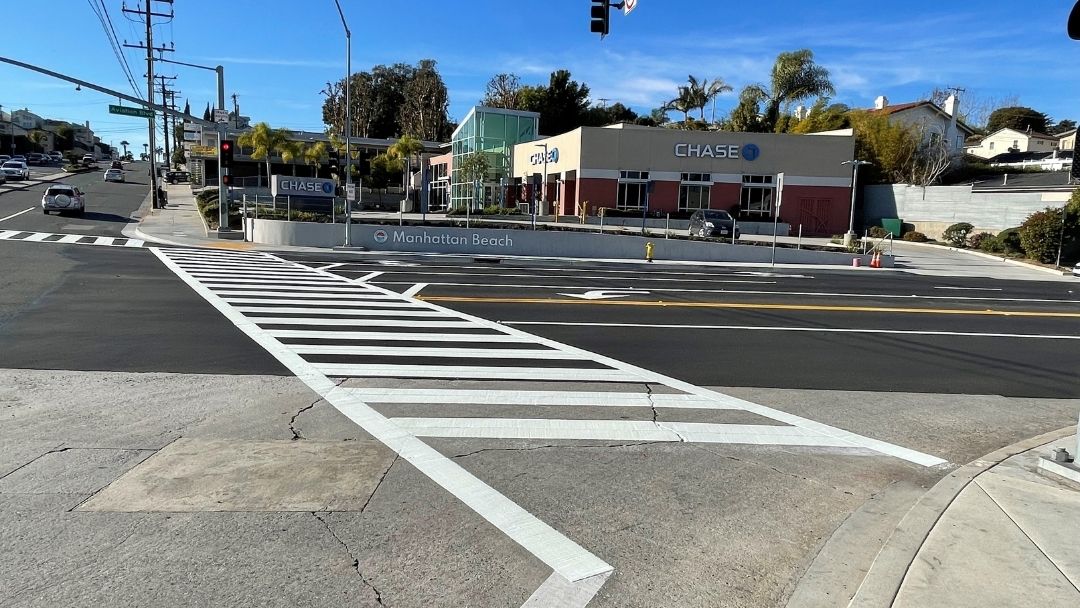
x: 380, y: 236
x: 751, y: 152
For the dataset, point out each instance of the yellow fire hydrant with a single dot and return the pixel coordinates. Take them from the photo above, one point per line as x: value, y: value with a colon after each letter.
x: 648, y: 251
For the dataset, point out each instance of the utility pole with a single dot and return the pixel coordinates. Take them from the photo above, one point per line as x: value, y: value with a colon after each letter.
x: 149, y: 46
x: 236, y: 112
x: 165, y: 101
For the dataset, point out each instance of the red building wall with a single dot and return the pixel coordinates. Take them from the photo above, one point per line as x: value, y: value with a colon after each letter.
x: 821, y: 210
x: 725, y: 196
x: 598, y: 192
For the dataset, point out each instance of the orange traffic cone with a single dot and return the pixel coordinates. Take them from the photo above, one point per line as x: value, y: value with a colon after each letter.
x: 875, y: 262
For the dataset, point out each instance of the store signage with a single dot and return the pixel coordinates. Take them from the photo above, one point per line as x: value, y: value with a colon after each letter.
x: 203, y: 151
x: 283, y: 185
x: 747, y: 152
x: 538, y: 158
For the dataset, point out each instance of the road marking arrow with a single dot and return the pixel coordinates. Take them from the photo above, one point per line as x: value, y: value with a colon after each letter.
x: 603, y: 294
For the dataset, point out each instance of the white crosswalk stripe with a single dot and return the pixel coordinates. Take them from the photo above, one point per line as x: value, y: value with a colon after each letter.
x: 69, y: 239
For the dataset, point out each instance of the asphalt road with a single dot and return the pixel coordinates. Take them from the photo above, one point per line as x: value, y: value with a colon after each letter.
x: 109, y: 206
x: 817, y: 329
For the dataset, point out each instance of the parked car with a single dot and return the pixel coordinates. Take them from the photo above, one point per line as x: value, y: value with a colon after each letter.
x: 3, y: 178
x: 175, y: 177
x: 34, y: 158
x: 15, y: 169
x: 1076, y: 270
x: 56, y: 156
x: 87, y: 159
x: 712, y: 222
x: 4, y: 158
x: 61, y: 198
x: 114, y: 175
x: 19, y: 157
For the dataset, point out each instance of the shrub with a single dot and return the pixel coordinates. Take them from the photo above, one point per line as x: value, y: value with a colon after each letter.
x: 915, y: 237
x: 878, y: 232
x: 957, y: 234
x: 982, y: 240
x: 1008, y: 241
x: 1039, y: 234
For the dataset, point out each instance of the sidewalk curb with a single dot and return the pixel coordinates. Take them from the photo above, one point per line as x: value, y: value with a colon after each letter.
x: 990, y: 256
x: 883, y: 580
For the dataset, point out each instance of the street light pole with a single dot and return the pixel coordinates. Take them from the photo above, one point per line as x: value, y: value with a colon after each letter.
x: 850, y: 236
x: 348, y: 123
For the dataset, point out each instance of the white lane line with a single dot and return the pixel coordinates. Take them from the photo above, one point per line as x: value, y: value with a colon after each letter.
x: 969, y: 288
x: 834, y: 330
x: 364, y: 298
x: 359, y: 322
x: 397, y: 351
x: 618, y: 430
x: 414, y: 290
x: 883, y: 447
x: 268, y: 277
x: 71, y: 238
x: 329, y: 266
x: 37, y: 236
x: 132, y: 243
x: 369, y: 276
x: 573, y: 374
x: 507, y: 275
x: 7, y: 234
x: 314, y: 304
x: 560, y: 553
x: 379, y: 336
x: 270, y: 281
x: 104, y: 240
x: 755, y: 292
x: 17, y: 214
x: 342, y: 312
x: 244, y: 270
x: 557, y: 591
x: 631, y: 271
x: 329, y: 289
x: 537, y: 398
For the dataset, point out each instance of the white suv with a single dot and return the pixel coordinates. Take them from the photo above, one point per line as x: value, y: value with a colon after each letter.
x: 61, y: 198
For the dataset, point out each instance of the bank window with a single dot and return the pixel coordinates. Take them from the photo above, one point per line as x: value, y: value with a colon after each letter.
x: 633, y: 188
x: 643, y: 175
x: 694, y: 191
x: 756, y: 198
x: 700, y: 178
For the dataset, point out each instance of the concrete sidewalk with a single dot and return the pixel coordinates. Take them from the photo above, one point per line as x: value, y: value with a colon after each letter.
x: 179, y: 223
x: 1000, y: 531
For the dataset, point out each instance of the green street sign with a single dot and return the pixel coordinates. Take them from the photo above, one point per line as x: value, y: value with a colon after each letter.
x: 127, y: 111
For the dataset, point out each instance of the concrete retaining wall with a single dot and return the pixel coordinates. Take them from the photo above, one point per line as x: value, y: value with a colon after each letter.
x: 544, y: 243
x: 935, y: 208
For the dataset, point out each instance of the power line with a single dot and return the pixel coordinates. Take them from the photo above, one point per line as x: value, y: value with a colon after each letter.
x: 113, y: 44
x: 116, y: 39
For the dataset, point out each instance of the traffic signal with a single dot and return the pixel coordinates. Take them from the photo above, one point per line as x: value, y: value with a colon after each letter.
x: 334, y: 158
x: 226, y: 152
x: 226, y: 180
x: 599, y: 17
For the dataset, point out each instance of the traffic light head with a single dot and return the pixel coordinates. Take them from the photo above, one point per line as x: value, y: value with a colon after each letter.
x: 333, y: 157
x: 226, y: 180
x: 599, y: 17
x: 226, y: 152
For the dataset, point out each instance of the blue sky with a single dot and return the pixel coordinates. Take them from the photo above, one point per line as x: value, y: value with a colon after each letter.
x: 277, y: 55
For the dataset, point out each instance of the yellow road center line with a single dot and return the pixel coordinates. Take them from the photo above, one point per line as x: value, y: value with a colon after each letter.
x: 762, y: 306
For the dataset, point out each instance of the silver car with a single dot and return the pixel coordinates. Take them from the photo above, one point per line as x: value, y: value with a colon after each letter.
x: 63, y: 197
x: 114, y: 175
x: 15, y: 169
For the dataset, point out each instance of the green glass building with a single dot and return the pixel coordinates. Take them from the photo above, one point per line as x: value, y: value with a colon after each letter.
x: 493, y: 132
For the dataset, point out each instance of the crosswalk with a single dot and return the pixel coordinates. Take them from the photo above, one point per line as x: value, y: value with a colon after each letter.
x: 352, y: 330
x: 69, y: 239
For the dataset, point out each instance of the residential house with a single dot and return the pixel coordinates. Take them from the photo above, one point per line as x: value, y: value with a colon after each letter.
x: 935, y: 122
x: 1014, y: 140
x: 1067, y: 140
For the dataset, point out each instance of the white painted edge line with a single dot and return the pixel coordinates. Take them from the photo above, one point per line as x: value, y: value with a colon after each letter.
x: 883, y: 447
x: 329, y: 266
x: 968, y: 288
x: 358, y: 322
x: 102, y: 240
x: 329, y: 289
x: 38, y: 237
x: 835, y: 330
x: 132, y: 243
x: 364, y: 279
x: 561, y: 554
x: 17, y: 214
x: 508, y: 275
x: 397, y: 351
x: 366, y: 299
x: 7, y: 234
x: 344, y: 312
x: 314, y: 305
x: 70, y: 238
x: 394, y: 336
x: 414, y: 290
x: 560, y: 592
x: 574, y: 374
x: 270, y: 280
x: 535, y: 398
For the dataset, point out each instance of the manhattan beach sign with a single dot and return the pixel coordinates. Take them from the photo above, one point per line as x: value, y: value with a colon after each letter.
x: 425, y: 237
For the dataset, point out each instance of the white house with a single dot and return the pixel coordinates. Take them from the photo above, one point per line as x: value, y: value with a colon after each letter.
x: 935, y: 122
x: 1067, y: 140
x: 1013, y: 140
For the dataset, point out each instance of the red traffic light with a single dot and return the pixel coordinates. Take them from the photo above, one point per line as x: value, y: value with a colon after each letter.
x: 226, y: 153
x: 226, y: 145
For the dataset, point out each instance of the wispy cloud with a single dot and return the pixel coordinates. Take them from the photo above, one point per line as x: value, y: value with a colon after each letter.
x: 275, y: 61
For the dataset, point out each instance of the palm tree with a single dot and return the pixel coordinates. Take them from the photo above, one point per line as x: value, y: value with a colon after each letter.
x: 404, y: 149
x: 313, y: 155
x: 684, y: 102
x: 36, y: 137
x: 795, y: 77
x: 125, y: 144
x: 290, y: 151
x: 705, y: 91
x: 265, y: 141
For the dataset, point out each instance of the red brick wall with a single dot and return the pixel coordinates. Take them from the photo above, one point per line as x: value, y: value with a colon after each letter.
x: 598, y: 192
x: 821, y: 210
x: 664, y: 197
x: 725, y: 196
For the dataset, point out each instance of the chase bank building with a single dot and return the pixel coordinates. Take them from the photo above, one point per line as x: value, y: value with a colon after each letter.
x: 661, y: 170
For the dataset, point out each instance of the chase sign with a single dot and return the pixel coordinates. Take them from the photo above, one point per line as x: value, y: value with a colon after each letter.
x: 287, y: 185
x: 539, y: 158
x: 747, y: 152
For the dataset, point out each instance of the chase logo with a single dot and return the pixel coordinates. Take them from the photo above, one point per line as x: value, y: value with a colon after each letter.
x: 328, y: 188
x: 751, y: 152
x: 380, y: 236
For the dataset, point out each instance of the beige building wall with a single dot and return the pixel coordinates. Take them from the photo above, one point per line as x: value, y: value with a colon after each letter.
x: 1067, y: 141
x: 999, y: 142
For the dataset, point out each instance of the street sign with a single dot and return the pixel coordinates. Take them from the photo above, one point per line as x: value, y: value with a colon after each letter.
x: 130, y: 111
x: 204, y: 151
x: 350, y: 191
x: 221, y: 115
x: 628, y: 5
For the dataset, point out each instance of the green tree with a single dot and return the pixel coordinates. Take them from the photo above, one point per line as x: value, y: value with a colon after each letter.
x: 746, y: 115
x: 1017, y: 117
x: 313, y: 155
x: 889, y: 147
x: 383, y: 170
x: 389, y: 101
x: 701, y: 92
x: 63, y: 137
x: 425, y: 112
x: 206, y: 115
x: 178, y: 157
x: 1039, y: 234
x: 684, y: 102
x: 291, y: 151
x: 823, y: 116
x: 608, y: 115
x: 265, y: 142
x: 794, y: 77
x: 474, y: 169
x: 1062, y: 126
x: 503, y: 91
x: 404, y: 149
x: 37, y: 137
x: 125, y: 144
x: 563, y: 104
